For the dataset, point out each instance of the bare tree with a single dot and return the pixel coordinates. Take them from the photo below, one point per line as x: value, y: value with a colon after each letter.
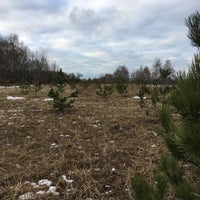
x: 121, y: 73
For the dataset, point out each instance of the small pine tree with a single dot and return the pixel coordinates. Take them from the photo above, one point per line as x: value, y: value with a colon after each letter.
x: 146, y: 191
x: 37, y: 87
x: 141, y: 188
x: 25, y: 88
x: 60, y: 103
x: 104, y: 90
x: 121, y: 88
x: 142, y: 91
x: 75, y: 93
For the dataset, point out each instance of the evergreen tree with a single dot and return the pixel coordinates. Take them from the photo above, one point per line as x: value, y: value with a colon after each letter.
x: 104, y: 90
x: 121, y: 88
x: 60, y: 102
x: 184, y: 138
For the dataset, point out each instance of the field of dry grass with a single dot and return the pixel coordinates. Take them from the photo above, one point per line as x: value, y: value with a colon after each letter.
x: 88, y: 152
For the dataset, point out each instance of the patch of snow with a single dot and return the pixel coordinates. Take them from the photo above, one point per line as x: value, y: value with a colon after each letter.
x: 67, y: 180
x: 15, y: 98
x: 12, y: 111
x: 52, y: 189
x: 108, y: 192
x: 27, y: 196
x: 137, y: 97
x: 40, y: 192
x: 31, y: 195
x: 154, y: 133
x: 107, y: 186
x: 54, y: 145
x: 44, y: 182
x: 48, y: 99
x: 14, y: 86
x: 66, y: 136
x: 113, y: 169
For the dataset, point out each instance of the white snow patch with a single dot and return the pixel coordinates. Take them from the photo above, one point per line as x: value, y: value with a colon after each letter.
x: 137, y: 97
x: 27, y: 196
x: 52, y: 189
x: 154, y: 133
x: 66, y: 136
x: 108, y: 192
x: 48, y: 99
x: 44, y: 182
x: 14, y: 86
x: 15, y: 98
x: 67, y: 180
x: 54, y: 145
x: 113, y: 169
x: 40, y: 192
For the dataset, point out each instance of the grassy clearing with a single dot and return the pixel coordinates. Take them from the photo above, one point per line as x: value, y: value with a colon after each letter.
x: 88, y: 152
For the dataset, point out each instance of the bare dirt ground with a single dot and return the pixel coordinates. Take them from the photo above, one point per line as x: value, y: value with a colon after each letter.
x: 88, y: 152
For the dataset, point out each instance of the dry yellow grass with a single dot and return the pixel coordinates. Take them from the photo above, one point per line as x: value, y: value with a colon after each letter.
x: 88, y: 152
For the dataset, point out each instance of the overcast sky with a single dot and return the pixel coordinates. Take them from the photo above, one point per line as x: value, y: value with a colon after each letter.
x: 94, y: 37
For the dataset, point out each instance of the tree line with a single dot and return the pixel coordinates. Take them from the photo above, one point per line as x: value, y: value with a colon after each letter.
x: 158, y: 74
x: 19, y: 65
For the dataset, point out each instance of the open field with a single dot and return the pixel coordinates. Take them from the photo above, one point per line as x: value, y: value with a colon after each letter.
x: 88, y: 152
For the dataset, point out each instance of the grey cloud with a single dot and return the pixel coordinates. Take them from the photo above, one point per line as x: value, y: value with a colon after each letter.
x: 103, y: 23
x: 45, y: 6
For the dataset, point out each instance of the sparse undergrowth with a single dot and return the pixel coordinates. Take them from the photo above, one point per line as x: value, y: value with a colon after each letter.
x: 89, y: 152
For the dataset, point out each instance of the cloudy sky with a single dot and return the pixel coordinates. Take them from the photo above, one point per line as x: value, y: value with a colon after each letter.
x: 94, y: 37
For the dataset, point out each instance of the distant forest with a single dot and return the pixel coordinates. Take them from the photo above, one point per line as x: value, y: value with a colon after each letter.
x: 18, y: 65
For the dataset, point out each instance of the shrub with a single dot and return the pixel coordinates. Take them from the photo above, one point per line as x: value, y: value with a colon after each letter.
x: 25, y: 88
x: 104, y: 90
x: 60, y: 103
x: 122, y: 88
